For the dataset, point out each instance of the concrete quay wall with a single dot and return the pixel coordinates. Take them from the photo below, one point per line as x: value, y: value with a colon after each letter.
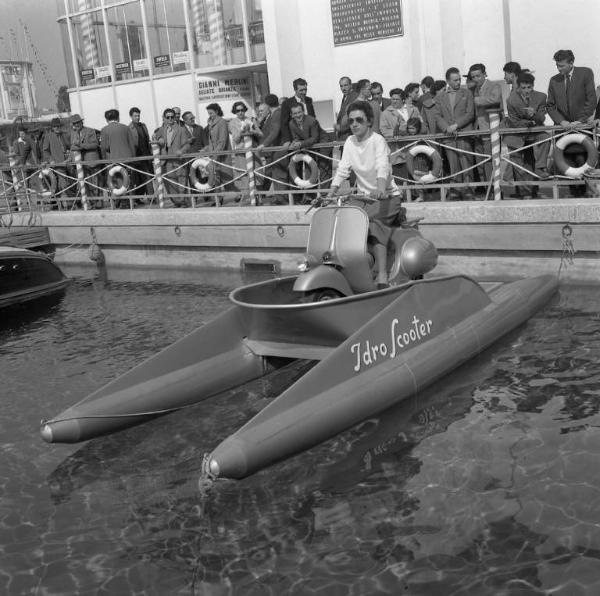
x: 483, y: 239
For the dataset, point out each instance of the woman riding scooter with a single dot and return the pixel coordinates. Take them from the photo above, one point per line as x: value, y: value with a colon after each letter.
x: 367, y: 154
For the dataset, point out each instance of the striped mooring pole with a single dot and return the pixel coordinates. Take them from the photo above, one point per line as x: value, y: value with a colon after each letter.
x: 496, y: 151
x: 160, y: 185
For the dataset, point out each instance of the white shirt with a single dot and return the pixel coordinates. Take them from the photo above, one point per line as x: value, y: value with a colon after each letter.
x: 369, y: 160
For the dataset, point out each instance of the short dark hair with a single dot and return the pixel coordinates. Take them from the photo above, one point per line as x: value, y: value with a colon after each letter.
x: 362, y: 83
x: 438, y: 86
x: 297, y: 82
x: 411, y: 87
x: 564, y: 55
x: 512, y: 68
x: 111, y: 114
x: 364, y: 107
x: 185, y: 114
x: 525, y: 77
x: 477, y: 66
x: 272, y: 100
x: 237, y: 105
x: 427, y: 81
x: 134, y: 110
x: 414, y: 122
x: 398, y: 91
x: 452, y: 70
x: 167, y: 110
x: 377, y: 85
x: 215, y: 107
x: 347, y: 79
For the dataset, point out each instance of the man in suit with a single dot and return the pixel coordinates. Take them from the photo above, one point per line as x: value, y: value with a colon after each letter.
x: 342, y: 129
x: 116, y: 143
x: 527, y: 108
x: 487, y: 95
x: 298, y: 99
x: 364, y: 94
x: 306, y: 132
x: 377, y: 96
x: 194, y: 131
x: 116, y: 139
x: 55, y: 152
x: 455, y: 112
x: 85, y: 140
x: 571, y: 102
x: 269, y: 116
x: 173, y: 142
x: 571, y: 93
x: 141, y: 141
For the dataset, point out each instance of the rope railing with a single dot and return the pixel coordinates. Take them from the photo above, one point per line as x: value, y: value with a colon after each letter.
x: 216, y: 178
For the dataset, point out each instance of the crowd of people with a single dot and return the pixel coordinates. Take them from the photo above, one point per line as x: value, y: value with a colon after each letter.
x: 285, y: 125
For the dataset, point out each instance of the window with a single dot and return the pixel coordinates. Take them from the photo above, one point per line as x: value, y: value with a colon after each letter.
x: 90, y: 48
x: 126, y: 35
x: 167, y: 34
x: 256, y: 32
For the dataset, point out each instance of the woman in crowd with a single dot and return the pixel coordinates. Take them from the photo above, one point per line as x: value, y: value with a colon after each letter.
x: 241, y: 127
x: 217, y: 137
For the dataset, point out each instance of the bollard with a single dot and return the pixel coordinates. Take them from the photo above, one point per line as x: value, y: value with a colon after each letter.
x: 250, y: 169
x: 12, y: 160
x: 160, y: 185
x: 496, y: 150
x: 80, y: 178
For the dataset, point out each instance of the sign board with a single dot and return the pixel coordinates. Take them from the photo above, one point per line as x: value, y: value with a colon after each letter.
x: 181, y: 57
x: 356, y: 21
x: 224, y: 90
x: 87, y: 74
x: 102, y: 71
x: 162, y: 60
x: 122, y: 67
x: 141, y: 64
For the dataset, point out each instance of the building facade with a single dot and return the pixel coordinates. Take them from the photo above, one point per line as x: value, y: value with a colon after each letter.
x: 17, y: 90
x: 160, y: 53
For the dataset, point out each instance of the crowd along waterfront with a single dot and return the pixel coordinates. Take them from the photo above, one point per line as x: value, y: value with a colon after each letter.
x: 483, y: 484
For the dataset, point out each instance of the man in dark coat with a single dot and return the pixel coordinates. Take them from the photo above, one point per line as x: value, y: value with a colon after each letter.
x: 141, y: 142
x: 298, y: 99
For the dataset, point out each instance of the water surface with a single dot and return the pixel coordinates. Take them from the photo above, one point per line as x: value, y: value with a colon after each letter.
x: 488, y: 483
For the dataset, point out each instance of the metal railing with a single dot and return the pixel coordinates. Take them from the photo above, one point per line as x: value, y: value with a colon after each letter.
x: 243, y: 176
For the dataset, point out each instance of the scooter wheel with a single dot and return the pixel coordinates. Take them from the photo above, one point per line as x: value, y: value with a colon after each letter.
x: 321, y: 295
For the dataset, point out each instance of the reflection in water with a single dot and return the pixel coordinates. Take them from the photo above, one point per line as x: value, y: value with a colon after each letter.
x: 486, y: 483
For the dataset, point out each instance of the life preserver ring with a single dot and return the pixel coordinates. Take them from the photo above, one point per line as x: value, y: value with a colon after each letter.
x: 559, y: 156
x: 122, y: 171
x: 293, y: 172
x: 201, y: 166
x: 48, y: 178
x: 436, y: 163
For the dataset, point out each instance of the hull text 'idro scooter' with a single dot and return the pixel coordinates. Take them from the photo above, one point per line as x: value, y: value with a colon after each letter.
x: 338, y: 263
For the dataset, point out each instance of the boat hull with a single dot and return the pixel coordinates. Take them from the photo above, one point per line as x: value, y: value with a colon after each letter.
x: 427, y: 331
x: 26, y: 276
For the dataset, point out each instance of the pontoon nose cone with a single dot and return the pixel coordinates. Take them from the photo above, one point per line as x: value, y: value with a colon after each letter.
x: 46, y: 432
x: 213, y: 467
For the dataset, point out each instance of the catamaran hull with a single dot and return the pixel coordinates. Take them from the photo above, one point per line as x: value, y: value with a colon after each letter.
x: 389, y: 359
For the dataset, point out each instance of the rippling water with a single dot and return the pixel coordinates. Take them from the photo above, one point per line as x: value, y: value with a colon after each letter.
x: 486, y: 484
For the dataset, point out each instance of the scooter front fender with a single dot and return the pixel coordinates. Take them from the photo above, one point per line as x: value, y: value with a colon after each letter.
x: 323, y: 276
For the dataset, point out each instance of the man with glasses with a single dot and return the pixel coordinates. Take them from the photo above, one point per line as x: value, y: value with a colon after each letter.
x: 141, y: 139
x: 173, y: 141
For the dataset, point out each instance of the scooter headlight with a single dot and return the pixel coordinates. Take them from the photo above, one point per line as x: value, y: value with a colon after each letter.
x: 306, y: 262
x: 327, y: 257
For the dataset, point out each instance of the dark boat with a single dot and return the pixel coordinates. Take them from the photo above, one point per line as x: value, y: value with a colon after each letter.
x: 26, y: 275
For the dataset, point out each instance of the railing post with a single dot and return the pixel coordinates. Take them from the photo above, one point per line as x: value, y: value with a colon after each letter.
x: 250, y: 168
x: 81, y: 178
x: 14, y: 170
x: 160, y: 185
x: 496, y: 150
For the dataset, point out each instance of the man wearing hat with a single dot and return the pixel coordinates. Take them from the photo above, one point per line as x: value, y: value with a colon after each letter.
x: 55, y: 152
x: 85, y: 140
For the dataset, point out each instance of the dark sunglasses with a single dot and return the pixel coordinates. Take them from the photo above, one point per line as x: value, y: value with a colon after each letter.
x: 359, y: 120
x: 169, y: 117
x: 240, y: 110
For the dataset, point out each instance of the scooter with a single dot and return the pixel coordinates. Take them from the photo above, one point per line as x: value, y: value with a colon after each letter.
x: 338, y: 263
